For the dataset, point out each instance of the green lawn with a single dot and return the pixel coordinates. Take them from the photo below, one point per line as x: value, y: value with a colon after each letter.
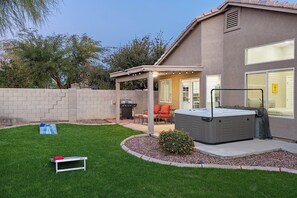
x: 25, y: 170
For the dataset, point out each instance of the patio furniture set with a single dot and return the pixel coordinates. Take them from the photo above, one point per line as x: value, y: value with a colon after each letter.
x: 162, y: 113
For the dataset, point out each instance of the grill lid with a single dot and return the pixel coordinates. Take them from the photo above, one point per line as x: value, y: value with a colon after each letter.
x: 125, y: 101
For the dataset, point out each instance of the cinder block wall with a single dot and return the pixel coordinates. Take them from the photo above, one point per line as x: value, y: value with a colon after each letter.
x: 36, y: 105
x: 101, y: 103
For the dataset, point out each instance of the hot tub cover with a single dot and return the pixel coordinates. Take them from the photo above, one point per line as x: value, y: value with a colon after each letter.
x: 217, y: 112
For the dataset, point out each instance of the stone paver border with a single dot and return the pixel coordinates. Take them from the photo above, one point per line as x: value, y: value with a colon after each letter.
x: 150, y: 159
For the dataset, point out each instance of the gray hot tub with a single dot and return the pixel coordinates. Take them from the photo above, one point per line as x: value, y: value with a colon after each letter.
x: 227, y: 125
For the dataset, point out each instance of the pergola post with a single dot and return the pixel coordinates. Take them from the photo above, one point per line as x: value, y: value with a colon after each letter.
x: 150, y: 83
x: 118, y: 96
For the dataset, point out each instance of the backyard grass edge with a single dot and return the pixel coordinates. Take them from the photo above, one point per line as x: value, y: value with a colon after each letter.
x: 37, y: 123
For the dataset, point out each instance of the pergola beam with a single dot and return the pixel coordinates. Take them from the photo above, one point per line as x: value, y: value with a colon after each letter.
x: 131, y: 78
x: 137, y: 71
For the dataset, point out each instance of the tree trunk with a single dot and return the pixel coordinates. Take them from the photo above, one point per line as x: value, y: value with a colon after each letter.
x: 57, y: 80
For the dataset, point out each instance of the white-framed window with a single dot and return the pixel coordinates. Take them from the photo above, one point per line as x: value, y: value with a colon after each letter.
x: 278, y: 87
x: 284, y: 50
x: 166, y: 90
x: 190, y: 93
x: 213, y: 82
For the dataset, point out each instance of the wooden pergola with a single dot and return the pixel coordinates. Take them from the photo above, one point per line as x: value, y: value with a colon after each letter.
x: 146, y: 72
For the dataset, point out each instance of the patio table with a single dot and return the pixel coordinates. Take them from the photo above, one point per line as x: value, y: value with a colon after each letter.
x: 138, y: 117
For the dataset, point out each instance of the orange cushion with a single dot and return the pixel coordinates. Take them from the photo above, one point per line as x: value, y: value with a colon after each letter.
x: 165, y: 109
x: 157, y: 109
x: 164, y: 115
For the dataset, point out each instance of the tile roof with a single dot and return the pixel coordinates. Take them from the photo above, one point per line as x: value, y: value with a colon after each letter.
x: 266, y: 3
x: 270, y: 3
x: 258, y: 4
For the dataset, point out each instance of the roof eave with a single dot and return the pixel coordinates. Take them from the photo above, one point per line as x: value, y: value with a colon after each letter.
x: 222, y: 8
x: 189, y: 28
x: 264, y: 7
x: 177, y: 41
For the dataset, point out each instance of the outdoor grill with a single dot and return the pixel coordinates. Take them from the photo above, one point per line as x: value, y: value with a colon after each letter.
x: 127, y: 106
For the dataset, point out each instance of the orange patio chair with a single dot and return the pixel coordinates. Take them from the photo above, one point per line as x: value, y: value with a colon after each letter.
x: 157, y: 108
x: 164, y: 113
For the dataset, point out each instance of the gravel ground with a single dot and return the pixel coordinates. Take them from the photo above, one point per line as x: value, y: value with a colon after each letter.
x: 149, y: 146
x: 90, y: 121
x: 93, y: 121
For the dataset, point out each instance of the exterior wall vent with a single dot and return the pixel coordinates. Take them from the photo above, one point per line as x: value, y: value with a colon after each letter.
x: 232, y: 20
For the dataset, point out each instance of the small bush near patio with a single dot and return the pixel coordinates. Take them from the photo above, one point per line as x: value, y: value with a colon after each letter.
x: 176, y: 142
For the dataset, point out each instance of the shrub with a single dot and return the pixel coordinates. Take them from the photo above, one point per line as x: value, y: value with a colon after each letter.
x: 176, y: 142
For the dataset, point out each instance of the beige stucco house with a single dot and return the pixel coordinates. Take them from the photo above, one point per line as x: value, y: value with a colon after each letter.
x: 241, y: 44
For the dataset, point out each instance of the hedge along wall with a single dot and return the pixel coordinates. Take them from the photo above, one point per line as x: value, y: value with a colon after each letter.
x: 36, y: 105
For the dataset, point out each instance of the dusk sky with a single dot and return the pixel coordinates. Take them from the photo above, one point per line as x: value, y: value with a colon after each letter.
x: 116, y: 22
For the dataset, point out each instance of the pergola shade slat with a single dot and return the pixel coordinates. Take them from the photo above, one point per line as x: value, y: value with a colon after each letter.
x: 156, y: 68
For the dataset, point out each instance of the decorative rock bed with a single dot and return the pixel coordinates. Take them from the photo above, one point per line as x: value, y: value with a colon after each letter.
x: 147, y: 148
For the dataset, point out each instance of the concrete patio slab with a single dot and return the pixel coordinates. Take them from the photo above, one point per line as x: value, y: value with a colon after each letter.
x: 227, y: 150
x: 143, y: 128
x: 159, y: 161
x: 244, y: 148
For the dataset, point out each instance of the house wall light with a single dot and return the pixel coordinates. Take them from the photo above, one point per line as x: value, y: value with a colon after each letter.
x: 155, y: 74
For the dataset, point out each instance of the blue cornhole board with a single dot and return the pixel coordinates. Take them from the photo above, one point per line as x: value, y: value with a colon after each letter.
x: 47, y: 128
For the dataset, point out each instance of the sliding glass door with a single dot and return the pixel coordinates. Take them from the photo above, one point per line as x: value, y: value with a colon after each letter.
x: 278, y: 87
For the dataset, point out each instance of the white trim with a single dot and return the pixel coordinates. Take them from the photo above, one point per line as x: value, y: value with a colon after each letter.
x: 164, y: 101
x: 190, y: 90
x: 266, y: 94
x: 263, y: 45
x: 286, y: 117
x: 220, y: 75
